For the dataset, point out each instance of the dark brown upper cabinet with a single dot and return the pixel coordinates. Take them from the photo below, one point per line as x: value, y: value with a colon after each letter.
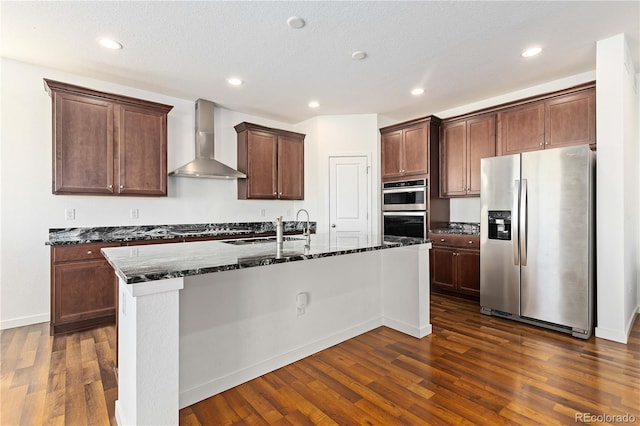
x: 462, y: 145
x: 410, y: 148
x: 107, y: 144
x: 405, y: 152
x: 571, y: 119
x: 561, y: 119
x: 273, y: 161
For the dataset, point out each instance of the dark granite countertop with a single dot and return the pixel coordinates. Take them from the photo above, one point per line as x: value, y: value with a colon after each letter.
x: 453, y: 231
x: 164, y: 261
x: 461, y: 228
x: 65, y: 236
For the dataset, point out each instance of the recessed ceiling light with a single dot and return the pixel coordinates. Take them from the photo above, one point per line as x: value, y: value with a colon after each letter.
x: 417, y: 91
x: 533, y: 51
x: 295, y: 22
x: 358, y: 55
x: 109, y: 43
x: 234, y: 81
x: 314, y: 104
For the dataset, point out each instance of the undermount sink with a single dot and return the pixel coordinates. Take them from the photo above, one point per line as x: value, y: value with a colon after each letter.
x: 260, y: 240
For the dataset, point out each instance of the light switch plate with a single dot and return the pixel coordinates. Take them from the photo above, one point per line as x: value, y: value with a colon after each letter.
x: 70, y: 214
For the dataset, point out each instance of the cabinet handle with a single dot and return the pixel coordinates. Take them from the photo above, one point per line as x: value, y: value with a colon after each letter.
x: 540, y: 144
x: 89, y: 252
x: 280, y: 193
x: 121, y: 186
x: 275, y: 193
x: 442, y: 240
x: 471, y: 242
x: 110, y: 186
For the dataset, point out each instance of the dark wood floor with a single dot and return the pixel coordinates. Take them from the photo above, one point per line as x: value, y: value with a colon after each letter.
x: 473, y: 369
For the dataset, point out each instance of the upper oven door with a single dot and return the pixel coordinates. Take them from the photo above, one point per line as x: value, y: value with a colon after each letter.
x: 413, y: 198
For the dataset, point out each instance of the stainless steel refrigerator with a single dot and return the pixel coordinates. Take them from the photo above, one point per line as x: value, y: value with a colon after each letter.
x: 537, y: 251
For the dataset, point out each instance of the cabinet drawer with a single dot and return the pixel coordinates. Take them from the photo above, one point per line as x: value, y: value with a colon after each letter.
x: 80, y: 252
x: 471, y: 242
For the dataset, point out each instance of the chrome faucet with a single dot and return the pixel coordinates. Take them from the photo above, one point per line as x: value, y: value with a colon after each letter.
x: 307, y: 230
x: 279, y: 230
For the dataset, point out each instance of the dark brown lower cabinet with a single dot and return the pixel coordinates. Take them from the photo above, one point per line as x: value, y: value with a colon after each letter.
x: 83, y: 288
x: 455, y: 264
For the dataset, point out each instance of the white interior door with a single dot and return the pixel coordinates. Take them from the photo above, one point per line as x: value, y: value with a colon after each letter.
x: 348, y: 198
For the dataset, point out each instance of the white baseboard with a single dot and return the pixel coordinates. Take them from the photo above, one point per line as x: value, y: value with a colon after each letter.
x: 620, y: 336
x: 20, y: 322
x: 418, y: 332
x: 198, y: 393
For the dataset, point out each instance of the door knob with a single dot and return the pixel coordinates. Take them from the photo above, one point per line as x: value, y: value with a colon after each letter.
x: 333, y: 225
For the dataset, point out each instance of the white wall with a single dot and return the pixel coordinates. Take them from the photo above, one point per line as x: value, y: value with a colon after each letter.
x: 339, y: 135
x: 28, y: 209
x: 617, y: 182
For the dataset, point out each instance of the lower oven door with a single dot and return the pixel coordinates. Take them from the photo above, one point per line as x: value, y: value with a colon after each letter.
x: 405, y: 224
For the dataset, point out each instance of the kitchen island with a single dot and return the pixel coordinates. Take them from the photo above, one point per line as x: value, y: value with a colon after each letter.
x: 198, y: 318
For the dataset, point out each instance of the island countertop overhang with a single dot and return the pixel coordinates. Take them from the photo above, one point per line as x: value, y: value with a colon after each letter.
x: 164, y: 261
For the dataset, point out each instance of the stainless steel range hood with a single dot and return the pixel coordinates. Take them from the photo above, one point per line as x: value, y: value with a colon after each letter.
x: 205, y: 166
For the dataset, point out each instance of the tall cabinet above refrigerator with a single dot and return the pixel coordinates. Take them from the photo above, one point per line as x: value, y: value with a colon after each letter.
x: 537, y: 238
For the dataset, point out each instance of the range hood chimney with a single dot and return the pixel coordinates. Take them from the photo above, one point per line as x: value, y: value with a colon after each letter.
x: 205, y: 166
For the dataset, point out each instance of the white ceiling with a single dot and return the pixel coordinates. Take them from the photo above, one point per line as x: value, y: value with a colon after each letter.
x: 459, y: 51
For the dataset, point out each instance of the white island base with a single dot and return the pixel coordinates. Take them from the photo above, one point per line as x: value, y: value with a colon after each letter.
x: 182, y: 340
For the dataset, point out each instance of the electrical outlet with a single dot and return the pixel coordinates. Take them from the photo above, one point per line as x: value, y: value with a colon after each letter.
x: 134, y: 213
x: 301, y: 303
x: 70, y: 214
x: 263, y: 212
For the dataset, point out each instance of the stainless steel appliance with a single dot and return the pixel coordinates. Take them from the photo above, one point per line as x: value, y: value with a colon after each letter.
x: 405, y: 224
x: 537, y: 238
x: 404, y: 205
x: 404, y: 195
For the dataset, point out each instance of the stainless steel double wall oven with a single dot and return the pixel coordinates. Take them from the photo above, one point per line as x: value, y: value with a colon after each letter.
x: 404, y: 208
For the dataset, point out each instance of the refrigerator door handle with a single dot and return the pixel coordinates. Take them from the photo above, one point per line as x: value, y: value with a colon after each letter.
x: 523, y: 222
x: 515, y: 232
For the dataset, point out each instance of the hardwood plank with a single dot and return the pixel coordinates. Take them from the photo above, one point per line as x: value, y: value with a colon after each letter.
x: 473, y: 369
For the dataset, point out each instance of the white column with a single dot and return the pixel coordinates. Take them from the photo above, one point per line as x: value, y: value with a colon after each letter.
x: 616, y: 190
x: 406, y: 289
x: 148, y: 348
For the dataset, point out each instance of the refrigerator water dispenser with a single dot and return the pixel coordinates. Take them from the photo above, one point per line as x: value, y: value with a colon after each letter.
x: 499, y: 224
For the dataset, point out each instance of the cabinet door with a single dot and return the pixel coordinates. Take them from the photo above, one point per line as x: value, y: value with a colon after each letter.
x: 415, y: 153
x: 453, y: 162
x: 262, y: 165
x: 468, y: 272
x: 571, y: 120
x: 290, y: 168
x: 83, y: 290
x: 83, y: 145
x: 521, y: 129
x: 141, y: 147
x: 391, y: 147
x: 443, y: 268
x: 481, y: 143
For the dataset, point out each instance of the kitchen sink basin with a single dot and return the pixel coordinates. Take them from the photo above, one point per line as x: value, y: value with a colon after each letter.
x: 249, y: 241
